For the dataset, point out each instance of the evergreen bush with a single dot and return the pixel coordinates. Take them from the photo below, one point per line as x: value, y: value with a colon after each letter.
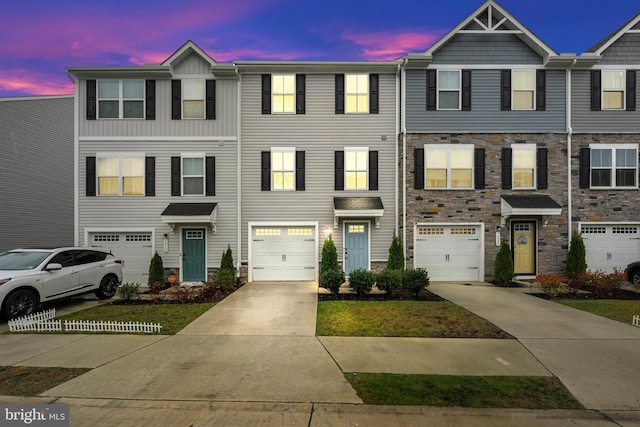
x: 396, y: 255
x: 332, y: 279
x: 389, y: 281
x: 329, y: 262
x: 361, y: 281
x: 225, y: 277
x: 129, y: 291
x: 576, y: 257
x: 156, y: 270
x: 415, y: 280
x: 503, y: 266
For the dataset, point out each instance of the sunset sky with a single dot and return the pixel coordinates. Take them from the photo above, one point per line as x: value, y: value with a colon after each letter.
x: 39, y: 38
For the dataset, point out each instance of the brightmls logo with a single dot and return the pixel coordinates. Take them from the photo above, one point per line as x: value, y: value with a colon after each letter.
x: 35, y: 415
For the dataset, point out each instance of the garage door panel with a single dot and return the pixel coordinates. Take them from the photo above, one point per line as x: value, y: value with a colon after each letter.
x: 136, y: 249
x: 610, y: 246
x: 283, y: 253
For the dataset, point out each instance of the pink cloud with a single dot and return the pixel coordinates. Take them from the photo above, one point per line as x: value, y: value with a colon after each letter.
x: 384, y: 46
x: 28, y: 82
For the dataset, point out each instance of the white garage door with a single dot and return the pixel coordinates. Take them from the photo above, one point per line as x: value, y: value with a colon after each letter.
x: 134, y: 248
x: 283, y: 253
x: 449, y: 252
x: 610, y: 246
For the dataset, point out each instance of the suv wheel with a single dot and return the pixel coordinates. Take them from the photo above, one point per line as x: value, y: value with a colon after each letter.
x: 108, y: 287
x: 20, y: 303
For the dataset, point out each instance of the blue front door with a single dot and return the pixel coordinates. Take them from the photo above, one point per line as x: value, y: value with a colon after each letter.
x: 356, y: 249
x: 194, y: 266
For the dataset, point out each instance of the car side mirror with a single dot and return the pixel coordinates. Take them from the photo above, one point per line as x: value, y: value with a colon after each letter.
x: 54, y: 266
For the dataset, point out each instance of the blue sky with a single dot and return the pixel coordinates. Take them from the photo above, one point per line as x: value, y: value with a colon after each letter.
x: 39, y: 38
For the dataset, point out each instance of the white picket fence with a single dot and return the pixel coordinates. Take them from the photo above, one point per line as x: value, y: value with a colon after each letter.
x: 44, y: 322
x: 636, y: 321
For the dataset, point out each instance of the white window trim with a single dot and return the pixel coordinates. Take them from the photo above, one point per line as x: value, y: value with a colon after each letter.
x: 513, y: 90
x: 613, y: 148
x: 450, y: 148
x: 522, y: 147
x: 356, y: 149
x: 204, y: 174
x: 273, y: 93
x: 283, y: 150
x: 120, y: 156
x: 121, y: 99
x: 346, y: 93
x: 624, y: 90
x: 204, y: 98
x: 459, y: 90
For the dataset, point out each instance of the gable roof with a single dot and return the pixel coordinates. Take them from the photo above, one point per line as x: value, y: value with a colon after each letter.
x: 184, y: 51
x: 606, y: 42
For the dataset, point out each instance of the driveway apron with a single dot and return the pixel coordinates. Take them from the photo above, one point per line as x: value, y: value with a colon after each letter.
x: 596, y: 358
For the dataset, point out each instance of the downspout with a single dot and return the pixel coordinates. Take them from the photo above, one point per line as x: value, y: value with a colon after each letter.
x: 397, y: 131
x: 239, y: 176
x: 569, y: 144
x: 403, y: 130
x: 76, y: 159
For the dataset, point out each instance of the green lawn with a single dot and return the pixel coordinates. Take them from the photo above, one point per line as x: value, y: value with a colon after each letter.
x: 431, y: 319
x: 172, y: 317
x: 620, y: 310
x: 30, y: 381
x: 463, y: 391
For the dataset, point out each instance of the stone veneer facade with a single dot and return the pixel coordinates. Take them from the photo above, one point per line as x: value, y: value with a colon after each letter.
x: 484, y: 206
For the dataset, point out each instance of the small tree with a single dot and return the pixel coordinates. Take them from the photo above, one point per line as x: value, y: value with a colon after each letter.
x: 576, y: 257
x: 329, y: 256
x: 503, y: 266
x: 156, y: 270
x: 396, y: 255
x: 226, y: 275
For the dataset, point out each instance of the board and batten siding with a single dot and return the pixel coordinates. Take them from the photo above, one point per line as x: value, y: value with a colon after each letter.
x: 485, y: 114
x: 36, y: 148
x: 320, y: 132
x: 477, y: 49
x: 585, y: 120
x: 225, y: 123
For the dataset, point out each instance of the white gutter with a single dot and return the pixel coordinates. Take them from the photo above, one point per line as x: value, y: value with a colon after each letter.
x: 76, y: 167
x: 403, y: 130
x: 239, y: 176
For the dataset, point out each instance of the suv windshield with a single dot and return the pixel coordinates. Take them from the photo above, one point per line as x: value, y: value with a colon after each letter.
x: 21, y: 260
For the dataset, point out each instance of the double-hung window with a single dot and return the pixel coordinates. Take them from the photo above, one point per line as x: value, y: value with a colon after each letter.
x: 357, y: 93
x: 449, y: 166
x: 120, y: 175
x: 524, y: 166
x: 355, y: 168
x: 449, y: 83
x: 193, y: 96
x: 613, y: 89
x: 283, y: 93
x: 614, y: 166
x: 193, y: 175
x: 120, y: 99
x: 283, y: 168
x: 523, y: 89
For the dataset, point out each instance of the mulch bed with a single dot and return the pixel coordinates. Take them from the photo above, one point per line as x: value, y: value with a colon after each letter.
x: 622, y: 295
x: 424, y: 295
x: 169, y: 295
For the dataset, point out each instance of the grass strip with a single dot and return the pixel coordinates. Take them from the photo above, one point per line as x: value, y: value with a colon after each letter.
x: 32, y: 381
x: 429, y: 319
x: 620, y: 310
x: 462, y: 391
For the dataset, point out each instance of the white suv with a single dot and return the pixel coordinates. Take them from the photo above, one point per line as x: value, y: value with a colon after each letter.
x: 31, y: 276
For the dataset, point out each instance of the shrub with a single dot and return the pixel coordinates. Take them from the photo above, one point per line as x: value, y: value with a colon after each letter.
x: 155, y: 288
x: 361, y: 281
x: 396, y: 255
x: 332, y: 279
x: 415, y: 280
x: 576, y: 257
x: 389, y: 280
x: 226, y: 263
x: 551, y: 284
x: 329, y: 256
x: 503, y: 266
x: 225, y: 278
x: 185, y: 295
x: 606, y: 284
x: 156, y: 270
x: 129, y: 291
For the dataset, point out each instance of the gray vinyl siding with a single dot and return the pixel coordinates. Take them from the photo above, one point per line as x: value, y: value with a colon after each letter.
x: 193, y: 65
x: 36, y: 148
x: 320, y: 132
x: 486, y: 49
x: 585, y: 120
x: 225, y: 123
x: 625, y: 51
x: 130, y: 212
x: 485, y: 114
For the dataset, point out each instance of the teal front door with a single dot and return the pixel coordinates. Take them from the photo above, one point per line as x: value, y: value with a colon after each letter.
x: 356, y: 249
x: 194, y: 266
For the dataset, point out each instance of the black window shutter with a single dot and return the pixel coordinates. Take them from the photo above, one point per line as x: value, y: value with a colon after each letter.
x: 479, y: 169
x: 266, y: 94
x: 541, y: 90
x: 265, y: 171
x: 210, y: 176
x: 596, y: 85
x: 300, y: 178
x: 150, y: 176
x: 418, y: 168
x: 542, y: 172
x: 91, y: 177
x: 339, y: 170
x: 505, y: 90
x: 466, y: 90
x: 585, y: 167
x: 91, y: 100
x: 301, y: 97
x: 374, y: 102
x: 631, y: 90
x: 373, y: 170
x: 150, y: 100
x: 176, y: 99
x: 175, y: 176
x: 339, y: 93
x: 431, y: 90
x: 506, y: 168
x: 210, y: 103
